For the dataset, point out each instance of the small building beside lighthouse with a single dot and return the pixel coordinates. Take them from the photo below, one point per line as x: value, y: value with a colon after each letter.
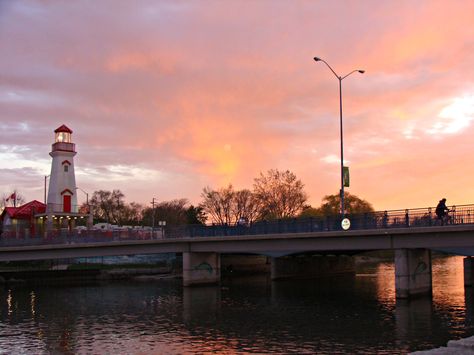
x: 62, y: 194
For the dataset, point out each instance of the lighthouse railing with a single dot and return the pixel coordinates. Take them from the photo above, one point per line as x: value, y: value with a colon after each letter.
x: 64, y: 146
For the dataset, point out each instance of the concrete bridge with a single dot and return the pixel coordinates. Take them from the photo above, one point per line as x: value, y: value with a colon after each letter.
x: 293, y: 254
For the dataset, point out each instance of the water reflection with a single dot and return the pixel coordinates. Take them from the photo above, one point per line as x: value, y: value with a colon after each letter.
x: 355, y: 314
x: 9, y: 302
x: 448, y: 283
x: 414, y: 317
x: 200, y: 304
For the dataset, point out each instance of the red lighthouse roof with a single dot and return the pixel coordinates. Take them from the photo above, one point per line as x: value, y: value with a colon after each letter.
x: 63, y: 128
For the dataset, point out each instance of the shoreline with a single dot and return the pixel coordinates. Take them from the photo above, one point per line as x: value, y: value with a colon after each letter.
x: 59, y: 276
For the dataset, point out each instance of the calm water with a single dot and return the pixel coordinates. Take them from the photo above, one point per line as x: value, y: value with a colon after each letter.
x: 246, y: 315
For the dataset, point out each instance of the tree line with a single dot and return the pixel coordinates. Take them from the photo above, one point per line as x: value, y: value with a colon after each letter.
x: 275, y: 195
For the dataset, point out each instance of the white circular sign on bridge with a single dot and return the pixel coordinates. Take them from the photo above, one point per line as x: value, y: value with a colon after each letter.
x: 345, y: 224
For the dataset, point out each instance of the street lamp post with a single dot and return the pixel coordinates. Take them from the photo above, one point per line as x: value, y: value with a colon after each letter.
x: 87, y: 199
x: 153, y: 217
x: 340, y: 79
x: 87, y: 195
x: 162, y: 225
x: 90, y: 219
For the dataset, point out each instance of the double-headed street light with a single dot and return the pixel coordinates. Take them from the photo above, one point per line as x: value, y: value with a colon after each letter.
x: 87, y: 199
x: 340, y: 78
x: 87, y: 195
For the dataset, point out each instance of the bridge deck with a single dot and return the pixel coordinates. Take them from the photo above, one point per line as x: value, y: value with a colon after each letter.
x: 448, y: 238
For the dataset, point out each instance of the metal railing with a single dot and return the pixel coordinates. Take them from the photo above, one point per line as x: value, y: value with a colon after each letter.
x: 65, y: 236
x: 65, y: 146
x: 417, y: 217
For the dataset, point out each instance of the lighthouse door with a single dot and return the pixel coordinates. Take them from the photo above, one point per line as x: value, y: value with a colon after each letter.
x: 66, y: 203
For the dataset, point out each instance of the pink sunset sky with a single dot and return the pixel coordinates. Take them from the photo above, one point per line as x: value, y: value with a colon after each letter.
x: 167, y: 97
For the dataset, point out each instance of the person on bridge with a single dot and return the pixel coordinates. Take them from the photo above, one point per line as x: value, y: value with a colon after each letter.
x: 442, y: 211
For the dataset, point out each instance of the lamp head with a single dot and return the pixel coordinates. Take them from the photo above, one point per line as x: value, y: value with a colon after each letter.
x: 361, y: 71
x: 316, y: 59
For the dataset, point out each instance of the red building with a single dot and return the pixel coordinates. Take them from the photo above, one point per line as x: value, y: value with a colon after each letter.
x: 20, y: 222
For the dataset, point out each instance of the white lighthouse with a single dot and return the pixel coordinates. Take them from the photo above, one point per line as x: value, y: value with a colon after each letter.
x: 62, y: 195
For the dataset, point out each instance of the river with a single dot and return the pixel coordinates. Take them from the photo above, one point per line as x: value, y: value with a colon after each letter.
x: 246, y: 315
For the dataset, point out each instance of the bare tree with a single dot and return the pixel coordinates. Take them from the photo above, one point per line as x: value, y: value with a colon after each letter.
x: 245, y: 206
x: 228, y: 206
x: 218, y: 204
x: 130, y: 214
x: 175, y: 212
x: 117, y: 207
x: 11, y: 199
x: 108, y: 205
x: 135, y: 213
x: 279, y: 194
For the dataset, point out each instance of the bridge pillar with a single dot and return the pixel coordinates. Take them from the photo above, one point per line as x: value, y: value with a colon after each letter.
x: 468, y: 271
x: 412, y: 272
x: 201, y: 268
x: 311, y: 266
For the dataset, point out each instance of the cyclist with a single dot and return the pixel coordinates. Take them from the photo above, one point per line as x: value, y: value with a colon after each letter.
x: 442, y: 211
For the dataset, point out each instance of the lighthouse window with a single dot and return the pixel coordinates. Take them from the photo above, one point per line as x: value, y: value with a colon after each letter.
x: 66, y: 168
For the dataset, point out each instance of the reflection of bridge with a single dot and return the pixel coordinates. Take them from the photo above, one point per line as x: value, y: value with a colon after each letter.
x: 292, y: 245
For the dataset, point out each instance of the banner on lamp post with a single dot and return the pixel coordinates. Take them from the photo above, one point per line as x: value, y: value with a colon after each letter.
x: 346, y: 176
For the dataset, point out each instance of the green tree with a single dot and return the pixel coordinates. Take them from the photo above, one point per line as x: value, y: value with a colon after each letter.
x: 279, y: 194
x: 175, y: 212
x: 195, y: 215
x: 309, y: 211
x: 331, y: 205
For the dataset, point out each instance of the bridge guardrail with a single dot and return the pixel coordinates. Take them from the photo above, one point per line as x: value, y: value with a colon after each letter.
x: 416, y: 217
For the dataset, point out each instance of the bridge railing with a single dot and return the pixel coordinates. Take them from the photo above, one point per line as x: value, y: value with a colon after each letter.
x: 64, y: 236
x: 416, y: 217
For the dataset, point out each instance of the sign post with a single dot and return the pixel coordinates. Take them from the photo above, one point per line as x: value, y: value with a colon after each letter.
x: 345, y: 224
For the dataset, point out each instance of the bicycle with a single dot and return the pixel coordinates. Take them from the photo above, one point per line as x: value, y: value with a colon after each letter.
x: 445, y: 218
